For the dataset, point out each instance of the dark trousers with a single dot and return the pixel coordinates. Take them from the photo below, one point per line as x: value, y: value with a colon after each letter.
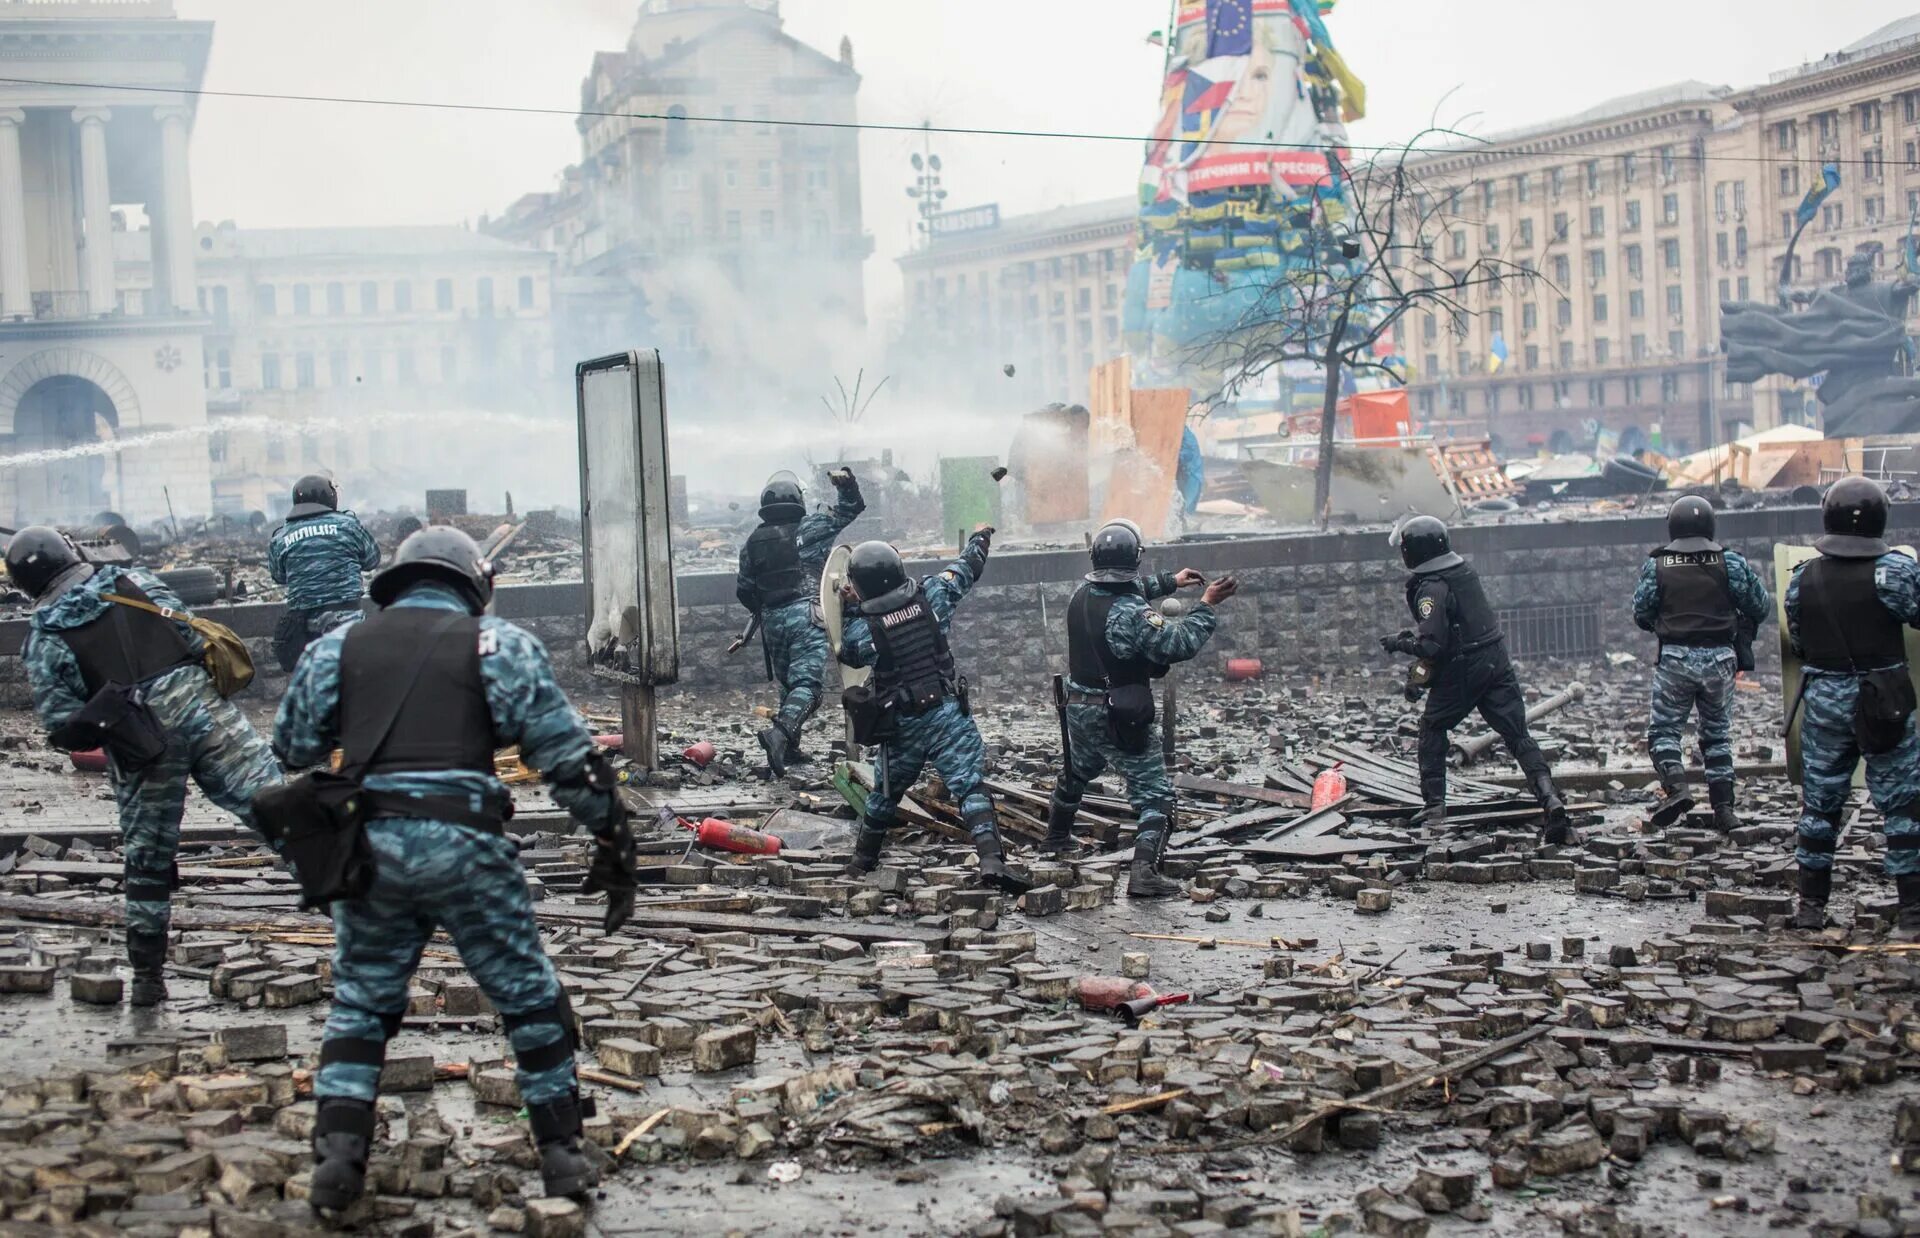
x: 1482, y: 680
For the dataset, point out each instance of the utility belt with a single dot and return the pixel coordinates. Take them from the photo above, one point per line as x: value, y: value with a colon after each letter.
x: 874, y: 714
x: 1485, y: 642
x: 453, y: 809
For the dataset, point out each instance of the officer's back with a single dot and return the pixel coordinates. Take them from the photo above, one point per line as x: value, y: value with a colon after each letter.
x: 320, y: 552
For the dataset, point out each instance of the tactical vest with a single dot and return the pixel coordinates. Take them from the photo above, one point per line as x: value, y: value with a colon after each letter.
x: 913, y: 665
x: 126, y: 646
x: 1843, y: 624
x: 441, y: 722
x: 1696, y: 598
x: 1090, y: 659
x: 1469, y: 613
x: 773, y: 564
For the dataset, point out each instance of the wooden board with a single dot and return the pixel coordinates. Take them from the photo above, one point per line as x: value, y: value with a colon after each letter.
x: 1049, y: 465
x: 775, y: 926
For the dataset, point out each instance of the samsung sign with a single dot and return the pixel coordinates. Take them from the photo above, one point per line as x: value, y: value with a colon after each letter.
x: 972, y: 219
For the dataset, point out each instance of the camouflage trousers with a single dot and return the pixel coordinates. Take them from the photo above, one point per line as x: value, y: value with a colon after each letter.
x: 436, y: 875
x: 299, y: 628
x: 1686, y: 678
x: 797, y: 652
x: 947, y: 739
x: 1828, y: 757
x: 208, y: 740
x: 1094, y: 751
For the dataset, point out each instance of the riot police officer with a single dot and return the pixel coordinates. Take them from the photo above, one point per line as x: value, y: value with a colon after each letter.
x: 1117, y: 645
x: 1845, y: 610
x: 915, y: 709
x: 1695, y: 595
x: 1458, y: 641
x: 779, y: 582
x: 83, y: 649
x: 419, y: 696
x: 318, y: 554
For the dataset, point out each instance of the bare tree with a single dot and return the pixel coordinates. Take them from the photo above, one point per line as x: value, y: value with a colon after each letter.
x: 1369, y: 268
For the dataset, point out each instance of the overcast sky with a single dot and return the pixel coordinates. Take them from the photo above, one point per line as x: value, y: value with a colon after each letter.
x: 1059, y: 65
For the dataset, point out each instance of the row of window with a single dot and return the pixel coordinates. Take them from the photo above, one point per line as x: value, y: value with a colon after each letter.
x: 1589, y: 173
x: 1633, y: 390
x: 1562, y: 227
x: 300, y: 371
x: 266, y: 297
x: 1467, y: 361
x: 1868, y: 117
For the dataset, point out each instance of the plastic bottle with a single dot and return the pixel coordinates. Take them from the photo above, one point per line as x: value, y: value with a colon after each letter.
x: 1108, y: 992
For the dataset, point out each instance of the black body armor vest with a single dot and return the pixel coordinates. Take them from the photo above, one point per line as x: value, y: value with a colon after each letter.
x: 125, y: 645
x: 1090, y: 660
x: 1696, y: 600
x: 773, y: 562
x: 1843, y: 625
x: 443, y: 723
x: 913, y: 665
x: 1468, y: 611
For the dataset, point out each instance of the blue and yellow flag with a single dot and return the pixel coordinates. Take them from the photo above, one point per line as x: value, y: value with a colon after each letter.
x: 1810, y: 205
x: 1497, y: 355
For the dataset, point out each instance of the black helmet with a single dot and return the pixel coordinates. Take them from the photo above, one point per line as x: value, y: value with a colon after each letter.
x: 36, y: 555
x: 1116, y: 552
x: 781, y: 499
x: 438, y: 552
x: 1424, y: 544
x: 1690, y: 519
x: 1854, y: 514
x: 312, y: 495
x: 877, y: 574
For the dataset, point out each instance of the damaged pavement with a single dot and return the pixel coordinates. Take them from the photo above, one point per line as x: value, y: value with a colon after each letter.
x: 1362, y: 1026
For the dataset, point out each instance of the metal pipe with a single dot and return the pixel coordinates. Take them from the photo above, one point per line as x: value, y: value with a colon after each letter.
x: 1466, y: 751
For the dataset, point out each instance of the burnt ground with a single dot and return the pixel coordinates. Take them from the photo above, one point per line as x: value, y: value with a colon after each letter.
x: 1694, y: 1067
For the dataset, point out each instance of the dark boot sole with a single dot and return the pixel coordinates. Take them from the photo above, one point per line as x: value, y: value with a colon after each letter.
x: 574, y: 1187
x: 1007, y: 883
x: 1670, y: 811
x: 140, y: 994
x: 1805, y: 922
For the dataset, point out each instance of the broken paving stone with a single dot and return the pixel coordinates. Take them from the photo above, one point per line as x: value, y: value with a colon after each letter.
x: 555, y: 1218
x: 97, y: 989
x: 723, y: 1049
x: 1373, y: 899
x: 631, y: 1058
x: 254, y: 1042
x: 1135, y: 964
x: 1565, y: 1151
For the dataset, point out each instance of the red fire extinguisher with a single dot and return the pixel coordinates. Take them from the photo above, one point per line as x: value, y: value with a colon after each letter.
x: 1329, y: 788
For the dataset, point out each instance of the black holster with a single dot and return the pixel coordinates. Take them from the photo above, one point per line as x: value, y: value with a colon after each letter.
x: 1883, y: 711
x: 869, y: 714
x: 1130, y: 715
x: 318, y: 822
x: 118, y: 719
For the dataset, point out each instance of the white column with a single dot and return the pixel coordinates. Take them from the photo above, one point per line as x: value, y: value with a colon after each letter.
x: 96, y: 207
x: 176, y: 194
x: 16, y: 289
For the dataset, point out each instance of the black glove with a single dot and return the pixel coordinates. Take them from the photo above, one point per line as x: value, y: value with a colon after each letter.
x: 844, y: 481
x: 985, y: 536
x: 1412, y: 693
x: 615, y: 869
x: 1400, y: 642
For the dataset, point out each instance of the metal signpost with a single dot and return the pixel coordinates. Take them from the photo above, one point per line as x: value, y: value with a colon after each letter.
x: 633, y: 630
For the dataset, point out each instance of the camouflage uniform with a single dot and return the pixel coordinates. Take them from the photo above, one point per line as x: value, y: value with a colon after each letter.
x: 945, y: 735
x: 1134, y: 631
x: 1829, y: 753
x: 796, y: 643
x: 1690, y: 675
x: 319, y: 559
x: 436, y: 874
x: 208, y: 739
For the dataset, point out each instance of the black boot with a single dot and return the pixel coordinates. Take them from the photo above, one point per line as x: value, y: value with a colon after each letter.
x: 342, y: 1137
x: 1431, y: 815
x: 1675, y: 802
x: 775, y: 742
x: 148, y: 954
x: 1816, y: 885
x: 1720, y: 795
x: 1144, y: 879
x: 1559, y: 828
x: 1060, y: 841
x: 866, y: 848
x: 993, y: 858
x: 1906, y: 924
x: 564, y: 1168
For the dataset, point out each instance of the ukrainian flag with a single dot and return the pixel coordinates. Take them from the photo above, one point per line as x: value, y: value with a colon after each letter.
x: 1497, y: 355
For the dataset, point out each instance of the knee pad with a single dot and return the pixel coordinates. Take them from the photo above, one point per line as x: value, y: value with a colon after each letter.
x: 152, y: 885
x: 559, y: 1013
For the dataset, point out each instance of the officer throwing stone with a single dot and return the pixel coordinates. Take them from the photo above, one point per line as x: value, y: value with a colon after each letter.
x: 1845, y: 610
x: 1459, y: 642
x: 1695, y: 596
x: 318, y: 554
x: 1117, y: 645
x: 84, y: 647
x: 915, y: 709
x: 779, y: 581
x: 419, y: 696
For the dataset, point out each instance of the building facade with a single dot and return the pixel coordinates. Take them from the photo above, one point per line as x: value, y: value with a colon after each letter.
x: 1041, y: 292
x: 1637, y: 220
x: 715, y: 213
x: 351, y: 350
x: 80, y: 367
